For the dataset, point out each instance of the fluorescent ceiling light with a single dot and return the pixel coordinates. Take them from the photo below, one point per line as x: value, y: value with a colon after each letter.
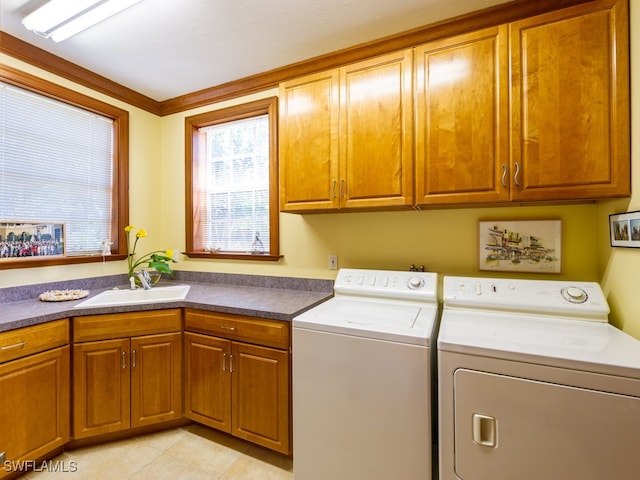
x: 61, y: 19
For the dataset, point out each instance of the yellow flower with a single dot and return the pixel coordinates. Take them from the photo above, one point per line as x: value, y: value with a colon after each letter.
x: 158, y: 259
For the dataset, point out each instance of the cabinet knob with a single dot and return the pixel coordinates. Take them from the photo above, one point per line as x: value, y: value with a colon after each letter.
x: 503, y: 179
x: 516, y: 175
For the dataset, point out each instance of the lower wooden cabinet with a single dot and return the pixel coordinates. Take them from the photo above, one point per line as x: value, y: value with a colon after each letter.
x: 101, y: 386
x: 122, y: 383
x: 260, y: 395
x: 127, y: 372
x: 235, y: 386
x: 207, y: 380
x: 34, y: 393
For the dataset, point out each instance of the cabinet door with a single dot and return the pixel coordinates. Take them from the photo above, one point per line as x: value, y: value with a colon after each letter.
x: 570, y: 112
x: 309, y: 142
x: 376, y: 132
x: 101, y: 393
x: 156, y: 378
x: 462, y: 119
x: 260, y: 395
x: 208, y: 380
x: 34, y: 405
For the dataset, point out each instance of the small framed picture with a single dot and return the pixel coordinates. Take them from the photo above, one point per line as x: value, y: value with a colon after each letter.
x: 520, y: 246
x: 624, y: 229
x: 21, y: 240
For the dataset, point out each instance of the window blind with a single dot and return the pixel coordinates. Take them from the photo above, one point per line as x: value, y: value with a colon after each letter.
x: 56, y: 166
x: 236, y: 188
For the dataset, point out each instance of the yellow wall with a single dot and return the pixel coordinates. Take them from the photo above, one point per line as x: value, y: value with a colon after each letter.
x: 620, y: 267
x: 444, y: 240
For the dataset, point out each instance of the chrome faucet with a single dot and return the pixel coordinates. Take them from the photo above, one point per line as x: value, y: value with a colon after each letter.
x: 145, y: 279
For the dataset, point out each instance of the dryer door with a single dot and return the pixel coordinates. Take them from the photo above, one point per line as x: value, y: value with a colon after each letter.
x: 515, y: 428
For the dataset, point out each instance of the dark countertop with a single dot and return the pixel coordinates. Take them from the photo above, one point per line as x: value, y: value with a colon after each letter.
x: 281, y: 303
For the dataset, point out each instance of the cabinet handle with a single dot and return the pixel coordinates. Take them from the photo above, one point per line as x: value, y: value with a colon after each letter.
x: 503, y: 179
x: 124, y: 360
x: 484, y: 430
x: 231, y: 363
x: 133, y: 359
x: 224, y: 327
x: 15, y: 345
x: 516, y: 175
x: 333, y: 189
x: 224, y: 362
x: 341, y: 187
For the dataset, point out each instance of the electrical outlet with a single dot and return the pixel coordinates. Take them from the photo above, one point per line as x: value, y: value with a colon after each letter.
x: 333, y: 262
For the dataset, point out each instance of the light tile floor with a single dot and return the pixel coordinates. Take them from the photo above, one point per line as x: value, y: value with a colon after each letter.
x: 191, y: 452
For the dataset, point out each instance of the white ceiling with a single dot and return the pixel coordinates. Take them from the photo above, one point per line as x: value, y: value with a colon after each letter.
x: 168, y: 48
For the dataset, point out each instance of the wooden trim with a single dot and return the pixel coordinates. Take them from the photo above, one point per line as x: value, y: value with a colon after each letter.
x: 194, y: 147
x: 37, y: 57
x: 274, y: 182
x: 488, y: 17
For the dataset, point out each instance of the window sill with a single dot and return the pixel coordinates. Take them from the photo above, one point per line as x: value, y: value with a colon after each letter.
x: 49, y: 261
x: 234, y: 256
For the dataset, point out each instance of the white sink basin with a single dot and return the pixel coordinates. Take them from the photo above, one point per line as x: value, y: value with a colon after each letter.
x: 112, y: 298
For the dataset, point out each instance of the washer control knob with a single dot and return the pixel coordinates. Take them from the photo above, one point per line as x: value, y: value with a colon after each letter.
x: 574, y: 294
x: 415, y: 282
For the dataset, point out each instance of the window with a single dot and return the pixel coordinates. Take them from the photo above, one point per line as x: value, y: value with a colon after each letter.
x: 61, y: 161
x: 232, y: 182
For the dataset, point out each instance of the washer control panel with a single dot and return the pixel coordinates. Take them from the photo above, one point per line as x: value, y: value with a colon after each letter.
x: 417, y: 286
x: 570, y: 299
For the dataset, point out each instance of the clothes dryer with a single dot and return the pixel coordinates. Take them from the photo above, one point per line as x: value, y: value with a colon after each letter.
x: 534, y: 383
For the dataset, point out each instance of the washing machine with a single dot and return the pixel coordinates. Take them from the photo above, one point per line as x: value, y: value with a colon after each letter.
x: 362, y: 379
x: 534, y: 383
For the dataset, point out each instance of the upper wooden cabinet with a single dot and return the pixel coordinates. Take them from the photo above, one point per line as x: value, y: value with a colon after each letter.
x: 462, y: 119
x: 570, y: 104
x: 568, y: 110
x: 536, y: 110
x: 309, y: 117
x: 346, y: 137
